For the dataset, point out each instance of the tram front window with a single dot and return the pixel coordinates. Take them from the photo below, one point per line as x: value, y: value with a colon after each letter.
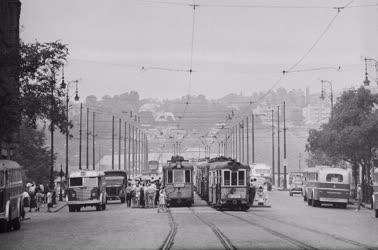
x: 187, y: 176
x: 241, y: 178
x: 178, y: 177
x: 170, y: 176
x: 226, y: 181
x: 234, y: 178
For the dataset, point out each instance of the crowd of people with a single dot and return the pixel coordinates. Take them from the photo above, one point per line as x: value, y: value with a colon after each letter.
x: 35, y: 196
x: 146, y: 194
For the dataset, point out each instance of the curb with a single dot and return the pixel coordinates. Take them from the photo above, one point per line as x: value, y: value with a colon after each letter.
x: 59, y: 208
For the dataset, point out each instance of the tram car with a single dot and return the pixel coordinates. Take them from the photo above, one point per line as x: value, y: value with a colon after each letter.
x: 202, y: 180
x: 178, y: 182
x: 229, y: 186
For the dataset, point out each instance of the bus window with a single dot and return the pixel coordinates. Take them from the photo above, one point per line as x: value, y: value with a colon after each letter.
x: 76, y: 181
x: 241, y: 178
x: 226, y: 181
x: 187, y: 176
x: 334, y: 178
x: 170, y: 176
x: 2, y: 180
x: 234, y: 178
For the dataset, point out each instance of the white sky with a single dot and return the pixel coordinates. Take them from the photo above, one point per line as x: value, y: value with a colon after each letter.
x: 235, y: 49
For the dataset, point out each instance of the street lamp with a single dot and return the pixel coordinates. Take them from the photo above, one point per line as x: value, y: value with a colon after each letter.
x: 76, y: 98
x: 331, y: 96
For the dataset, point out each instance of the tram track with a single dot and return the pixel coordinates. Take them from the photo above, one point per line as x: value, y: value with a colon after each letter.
x: 292, y: 240
x: 169, y: 240
x: 227, y: 244
x: 333, y: 236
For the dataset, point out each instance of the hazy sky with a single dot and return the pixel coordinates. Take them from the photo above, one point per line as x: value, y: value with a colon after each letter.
x: 236, y: 49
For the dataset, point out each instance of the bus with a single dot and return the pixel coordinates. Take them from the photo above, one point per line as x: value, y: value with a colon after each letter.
x: 116, y: 183
x: 178, y: 181
x: 327, y: 185
x: 86, y: 188
x: 261, y: 170
x: 11, y: 189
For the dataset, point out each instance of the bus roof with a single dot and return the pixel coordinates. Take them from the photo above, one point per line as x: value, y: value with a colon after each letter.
x: 8, y: 164
x: 233, y: 165
x: 87, y: 173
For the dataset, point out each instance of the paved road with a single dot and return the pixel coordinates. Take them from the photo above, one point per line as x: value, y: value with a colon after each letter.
x: 289, y: 224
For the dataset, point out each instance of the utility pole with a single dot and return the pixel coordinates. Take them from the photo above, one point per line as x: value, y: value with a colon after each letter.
x: 52, y: 137
x: 274, y: 182
x: 278, y: 147
x: 240, y: 154
x: 80, y: 132
x: 253, y: 137
x: 133, y: 155
x: 124, y: 149
x: 299, y: 162
x: 87, y: 154
x: 129, y: 149
x: 284, y: 130
x: 242, y: 140
x: 247, y: 125
x: 119, y: 143
x: 93, y: 141
x: 67, y: 129
x: 139, y: 149
x: 113, y: 143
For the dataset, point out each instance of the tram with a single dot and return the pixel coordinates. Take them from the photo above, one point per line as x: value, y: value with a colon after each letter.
x: 178, y: 182
x: 202, y: 180
x: 228, y: 184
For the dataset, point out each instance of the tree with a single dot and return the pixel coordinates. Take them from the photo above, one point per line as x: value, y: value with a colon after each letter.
x: 33, y: 155
x: 351, y: 135
x: 42, y: 98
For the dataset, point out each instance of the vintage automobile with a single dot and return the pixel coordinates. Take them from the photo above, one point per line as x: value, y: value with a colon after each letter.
x: 296, y: 187
x: 116, y: 182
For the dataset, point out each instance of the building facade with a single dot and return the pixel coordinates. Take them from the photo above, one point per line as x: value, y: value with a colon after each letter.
x: 9, y: 77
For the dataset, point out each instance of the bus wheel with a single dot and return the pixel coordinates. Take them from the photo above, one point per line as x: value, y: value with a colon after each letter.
x: 71, y: 208
x: 16, y: 223
x: 98, y: 207
x: 103, y: 206
x: 343, y: 205
x: 3, y: 226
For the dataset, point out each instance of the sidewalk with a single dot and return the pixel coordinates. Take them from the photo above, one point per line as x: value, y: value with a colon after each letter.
x: 43, y: 209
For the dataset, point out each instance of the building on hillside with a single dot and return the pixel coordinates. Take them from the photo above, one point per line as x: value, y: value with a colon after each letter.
x: 9, y: 71
x: 316, y: 114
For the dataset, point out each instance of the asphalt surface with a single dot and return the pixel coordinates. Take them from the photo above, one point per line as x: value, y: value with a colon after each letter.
x: 288, y: 224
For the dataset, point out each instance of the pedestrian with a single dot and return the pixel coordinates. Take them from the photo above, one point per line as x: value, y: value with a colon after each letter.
x: 359, y: 197
x: 129, y: 190
x: 49, y: 200
x: 39, y: 200
x: 26, y: 199
x: 141, y: 195
x: 137, y: 196
x: 151, y: 195
x: 157, y: 192
x: 162, y: 200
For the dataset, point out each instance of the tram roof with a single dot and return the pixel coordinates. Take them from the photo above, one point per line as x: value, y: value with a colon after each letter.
x: 8, y: 164
x: 181, y: 165
x: 87, y: 173
x: 233, y: 165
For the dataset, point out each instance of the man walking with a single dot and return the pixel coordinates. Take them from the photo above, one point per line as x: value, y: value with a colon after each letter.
x: 359, y: 197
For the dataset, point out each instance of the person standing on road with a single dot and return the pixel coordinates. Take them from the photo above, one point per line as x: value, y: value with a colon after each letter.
x: 162, y: 200
x: 359, y: 197
x: 128, y: 194
x: 157, y: 193
x: 49, y: 201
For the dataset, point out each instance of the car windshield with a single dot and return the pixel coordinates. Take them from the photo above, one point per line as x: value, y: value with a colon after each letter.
x: 84, y: 181
x: 76, y: 181
x: 334, y: 178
